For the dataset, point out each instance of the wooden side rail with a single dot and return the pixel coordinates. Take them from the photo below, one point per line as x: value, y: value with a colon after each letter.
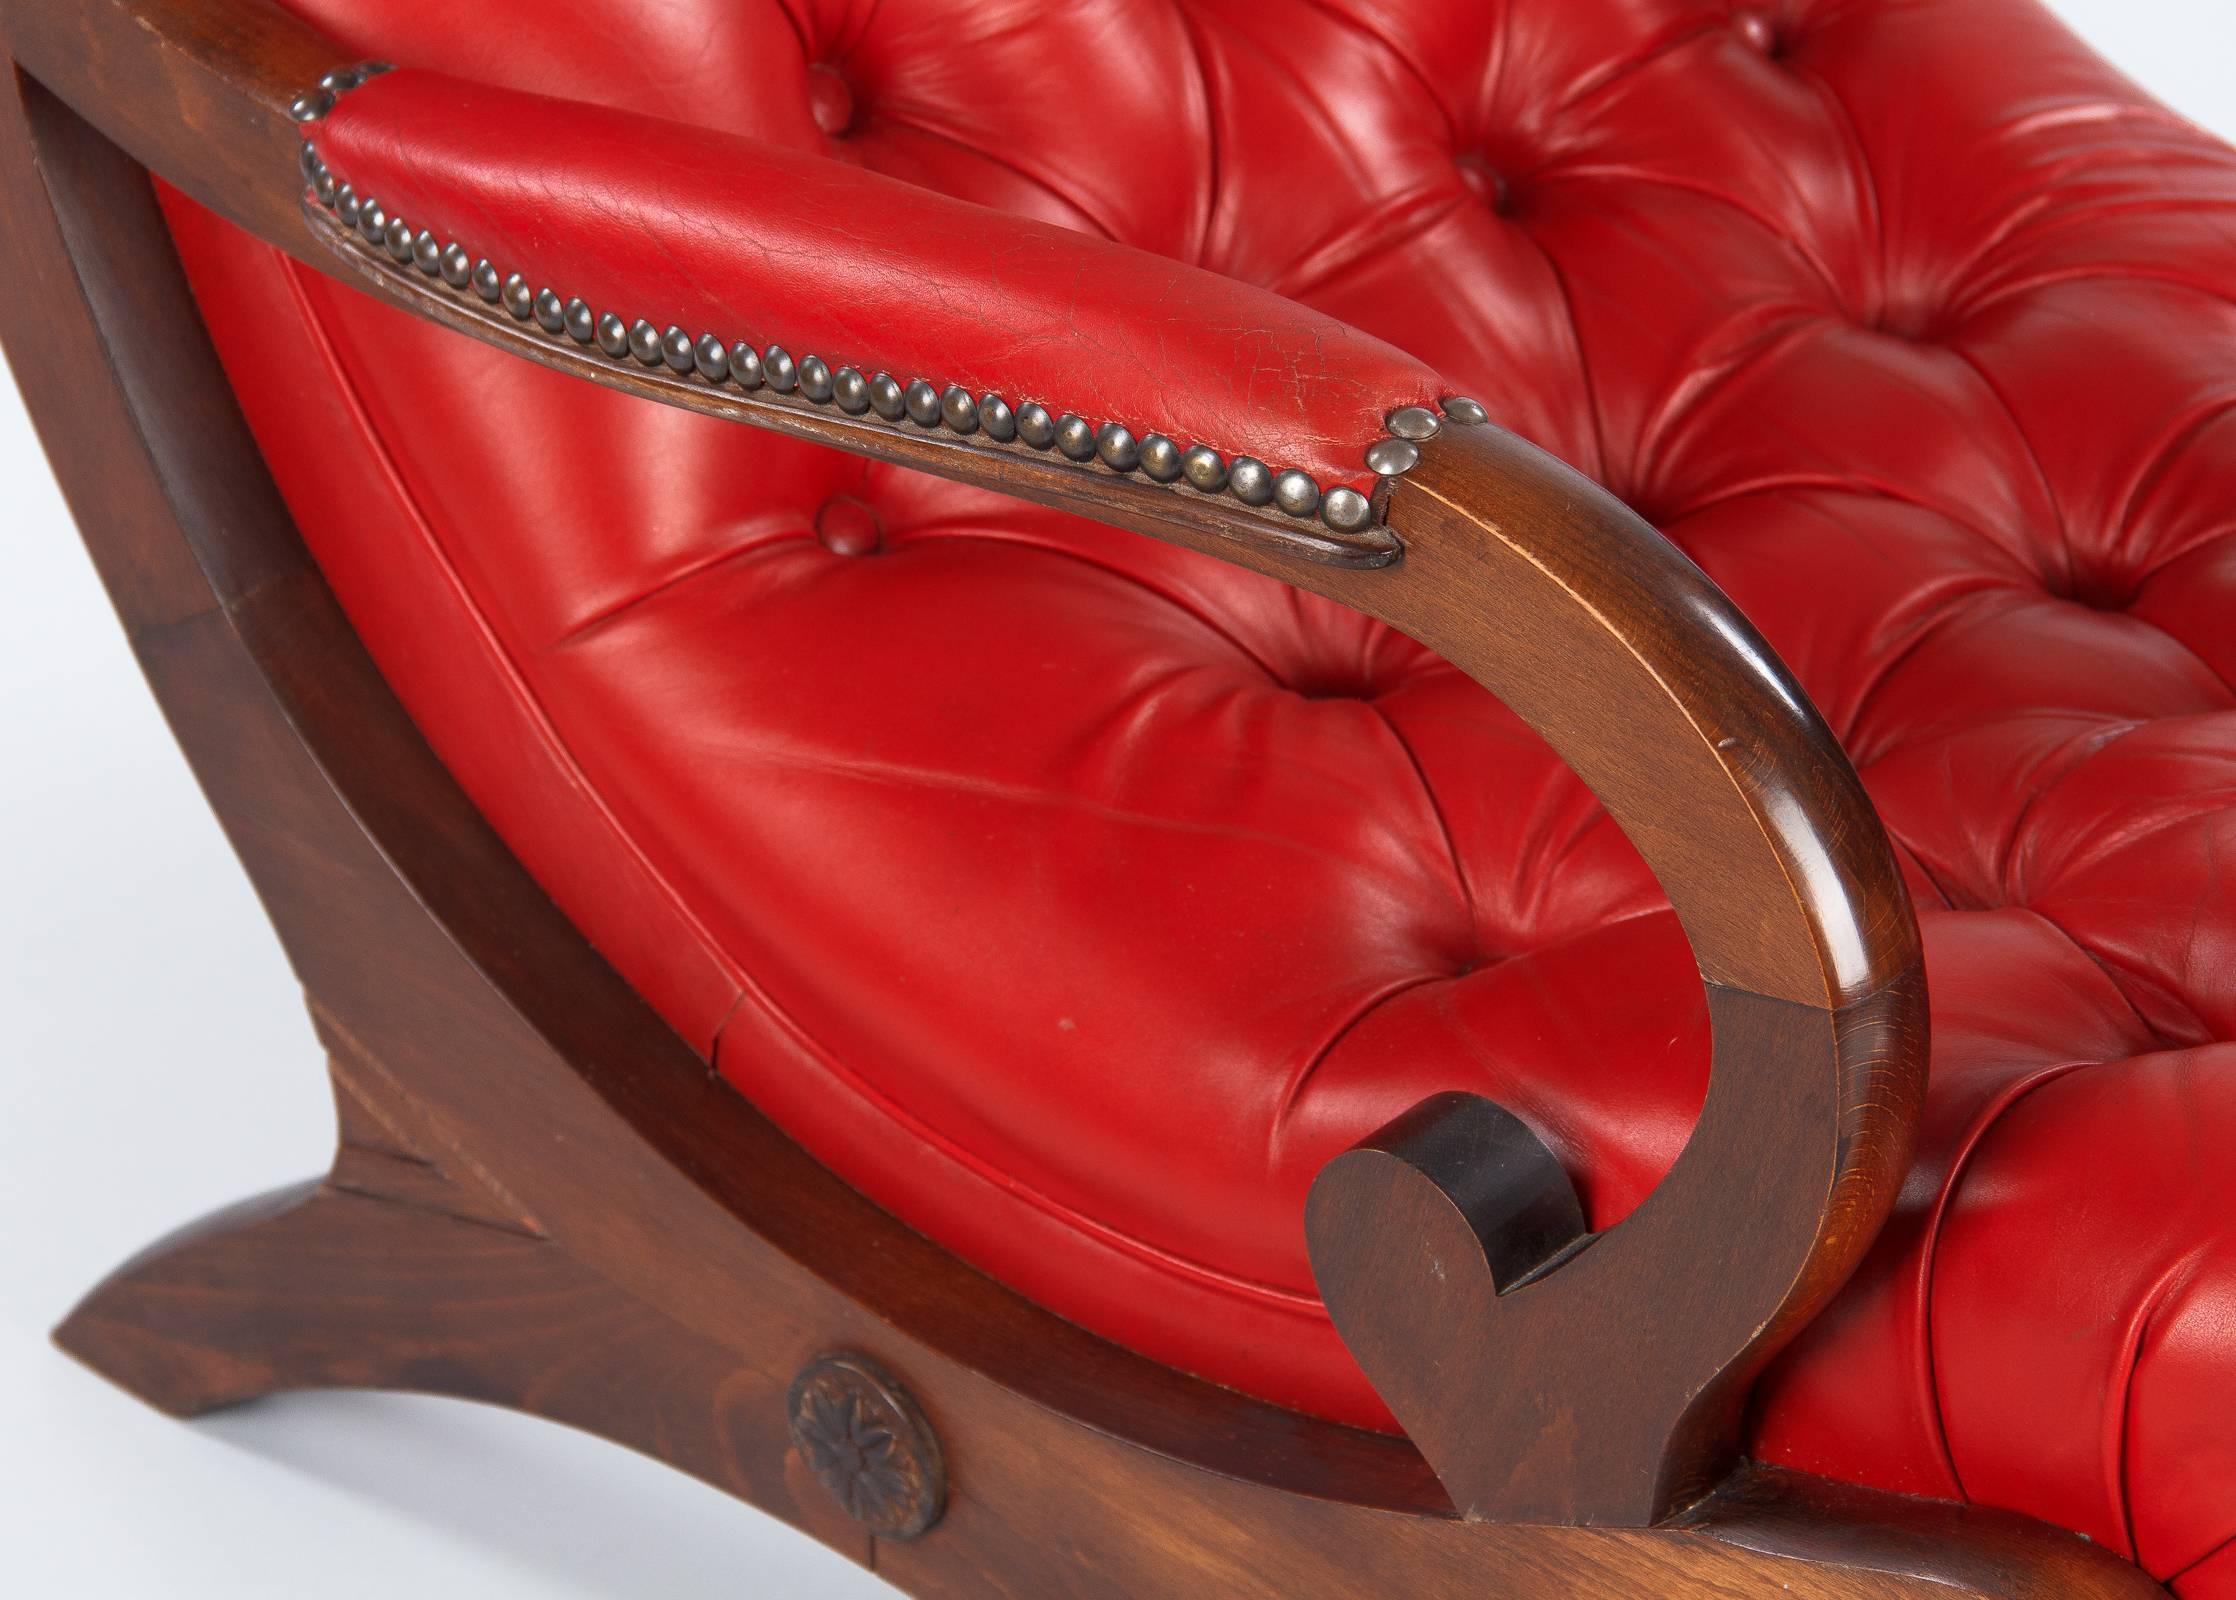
x: 1547, y: 1375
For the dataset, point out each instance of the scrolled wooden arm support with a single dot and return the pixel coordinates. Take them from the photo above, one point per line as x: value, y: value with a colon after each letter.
x: 1547, y: 1374
x: 1607, y: 1388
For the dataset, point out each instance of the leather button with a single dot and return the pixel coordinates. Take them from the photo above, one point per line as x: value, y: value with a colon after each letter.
x: 830, y: 99
x: 1487, y: 181
x: 1757, y: 29
x: 1909, y: 321
x: 847, y: 527
x: 2096, y: 590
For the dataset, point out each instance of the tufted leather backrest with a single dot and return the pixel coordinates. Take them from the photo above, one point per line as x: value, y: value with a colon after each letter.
x: 1709, y: 254
x: 1904, y: 319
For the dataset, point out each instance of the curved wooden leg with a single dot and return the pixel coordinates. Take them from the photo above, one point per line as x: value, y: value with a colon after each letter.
x: 319, y: 1286
x: 390, y: 1274
x: 182, y: 1326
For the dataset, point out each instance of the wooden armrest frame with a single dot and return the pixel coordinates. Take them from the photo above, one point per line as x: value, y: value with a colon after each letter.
x: 1611, y: 1369
x: 1546, y: 1375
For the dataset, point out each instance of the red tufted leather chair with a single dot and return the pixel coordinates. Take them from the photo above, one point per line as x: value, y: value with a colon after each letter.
x: 1076, y: 897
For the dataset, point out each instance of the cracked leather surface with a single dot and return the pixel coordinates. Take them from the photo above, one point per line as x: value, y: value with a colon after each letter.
x: 1076, y: 896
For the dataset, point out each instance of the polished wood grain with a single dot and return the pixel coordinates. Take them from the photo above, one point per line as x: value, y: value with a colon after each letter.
x: 526, y: 1148
x: 1648, y: 681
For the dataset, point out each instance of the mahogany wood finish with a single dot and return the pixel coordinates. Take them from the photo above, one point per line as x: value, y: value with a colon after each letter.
x: 543, y: 1198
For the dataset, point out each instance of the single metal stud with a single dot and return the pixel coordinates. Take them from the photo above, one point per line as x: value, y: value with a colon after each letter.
x: 551, y: 311
x: 1250, y: 480
x: 1204, y: 468
x: 1389, y: 457
x: 347, y: 205
x: 745, y: 365
x: 582, y: 322
x: 613, y: 336
x: 644, y: 342
x: 957, y: 409
x: 341, y: 80
x: 520, y: 300
x: 310, y: 105
x: 325, y: 188
x: 1075, y: 436
x: 779, y: 370
x: 921, y: 401
x: 1414, y: 422
x: 851, y: 390
x: 307, y: 162
x: 712, y: 357
x: 1119, y: 450
x: 457, y: 266
x: 1296, y: 492
x: 427, y: 253
x: 1345, y: 509
x: 1035, y: 426
x: 372, y: 219
x: 996, y: 418
x: 1466, y: 412
x: 675, y: 349
x: 397, y: 239
x: 886, y: 395
x: 815, y: 379
x: 1160, y: 458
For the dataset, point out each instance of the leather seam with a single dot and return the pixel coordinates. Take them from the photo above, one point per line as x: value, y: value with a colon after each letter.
x: 1214, y: 169
x: 1990, y: 1118
x: 1852, y: 137
x: 2153, y: 472
x: 1133, y: 579
x: 520, y: 693
x: 2114, y: 972
x: 1984, y: 594
x: 2094, y: 742
x: 2115, y: 1435
x: 1097, y: 226
x: 868, y: 1097
x: 2220, y: 1549
x: 2033, y: 456
x: 1436, y: 810
x: 1583, y: 360
x: 1294, y: 1087
x: 2152, y: 1038
x: 578, y: 630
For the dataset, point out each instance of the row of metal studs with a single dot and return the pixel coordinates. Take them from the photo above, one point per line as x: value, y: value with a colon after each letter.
x: 1154, y: 455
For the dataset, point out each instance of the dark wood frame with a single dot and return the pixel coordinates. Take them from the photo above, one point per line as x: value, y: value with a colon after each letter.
x: 473, y: 1237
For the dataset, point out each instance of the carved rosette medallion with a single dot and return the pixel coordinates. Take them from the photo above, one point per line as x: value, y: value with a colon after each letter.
x: 868, y: 1445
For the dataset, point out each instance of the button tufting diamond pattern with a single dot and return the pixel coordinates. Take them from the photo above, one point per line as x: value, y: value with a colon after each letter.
x: 1076, y: 896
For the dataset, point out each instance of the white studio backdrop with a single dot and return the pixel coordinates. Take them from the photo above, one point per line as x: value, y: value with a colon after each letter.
x: 155, y: 1063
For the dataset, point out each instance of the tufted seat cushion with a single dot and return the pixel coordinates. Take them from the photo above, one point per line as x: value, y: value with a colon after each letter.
x: 1076, y: 896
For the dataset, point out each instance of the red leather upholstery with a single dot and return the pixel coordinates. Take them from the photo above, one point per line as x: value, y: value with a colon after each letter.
x: 1076, y: 896
x: 773, y: 245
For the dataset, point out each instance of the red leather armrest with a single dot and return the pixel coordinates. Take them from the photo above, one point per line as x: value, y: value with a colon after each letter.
x: 681, y: 226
